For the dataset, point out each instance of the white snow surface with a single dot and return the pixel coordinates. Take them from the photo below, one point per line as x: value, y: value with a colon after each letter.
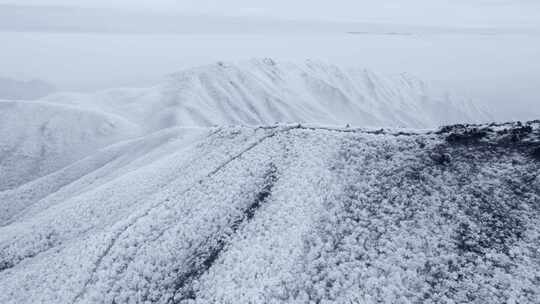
x: 284, y: 214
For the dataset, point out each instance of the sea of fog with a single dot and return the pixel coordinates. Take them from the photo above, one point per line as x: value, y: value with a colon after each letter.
x: 501, y: 70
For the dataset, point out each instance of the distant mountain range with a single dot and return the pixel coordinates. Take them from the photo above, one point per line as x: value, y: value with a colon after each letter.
x: 24, y: 90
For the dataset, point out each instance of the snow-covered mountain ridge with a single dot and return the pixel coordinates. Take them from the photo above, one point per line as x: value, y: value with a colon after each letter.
x: 263, y: 92
x: 284, y: 214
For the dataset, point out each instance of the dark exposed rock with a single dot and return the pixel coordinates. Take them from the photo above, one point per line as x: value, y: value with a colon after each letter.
x: 536, y: 153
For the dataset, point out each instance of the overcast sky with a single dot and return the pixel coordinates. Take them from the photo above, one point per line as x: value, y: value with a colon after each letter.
x: 437, y: 12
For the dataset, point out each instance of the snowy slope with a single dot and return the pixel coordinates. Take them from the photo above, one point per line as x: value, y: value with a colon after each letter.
x: 92, y: 170
x: 263, y: 92
x: 289, y: 214
x: 38, y: 138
